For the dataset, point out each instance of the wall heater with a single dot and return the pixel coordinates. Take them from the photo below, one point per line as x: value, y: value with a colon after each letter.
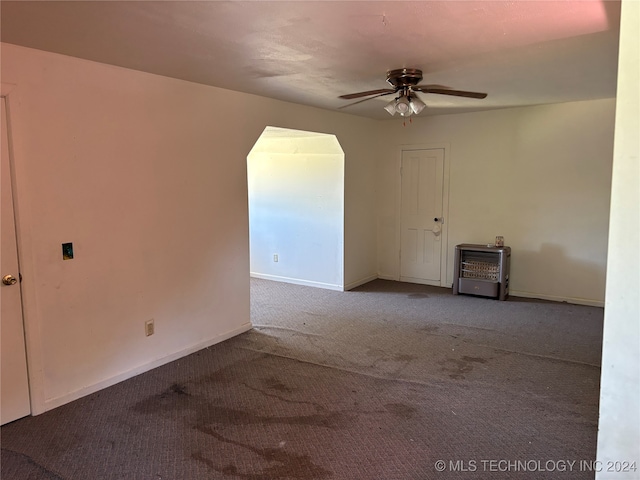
x: 482, y: 270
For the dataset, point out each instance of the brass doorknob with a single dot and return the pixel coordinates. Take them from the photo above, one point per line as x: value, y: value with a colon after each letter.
x: 9, y: 280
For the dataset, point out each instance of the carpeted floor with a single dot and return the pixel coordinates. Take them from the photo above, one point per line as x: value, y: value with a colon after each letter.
x: 378, y: 383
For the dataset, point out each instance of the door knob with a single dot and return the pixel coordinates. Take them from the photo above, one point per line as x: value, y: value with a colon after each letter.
x: 9, y: 280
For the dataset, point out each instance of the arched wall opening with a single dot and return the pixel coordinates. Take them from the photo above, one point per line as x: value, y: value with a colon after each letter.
x: 296, y: 208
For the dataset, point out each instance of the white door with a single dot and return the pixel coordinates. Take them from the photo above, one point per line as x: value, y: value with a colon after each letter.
x: 421, y: 221
x: 14, y: 392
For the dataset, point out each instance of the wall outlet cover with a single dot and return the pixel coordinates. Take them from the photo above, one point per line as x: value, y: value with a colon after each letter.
x: 149, y: 328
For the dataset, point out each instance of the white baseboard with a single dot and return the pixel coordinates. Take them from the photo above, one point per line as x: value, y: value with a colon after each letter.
x: 515, y: 293
x: 388, y: 277
x: 83, y: 392
x: 362, y: 281
x: 553, y: 298
x: 420, y: 281
x: 297, y: 281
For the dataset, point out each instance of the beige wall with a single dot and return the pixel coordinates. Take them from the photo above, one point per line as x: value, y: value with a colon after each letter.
x: 619, y: 425
x: 146, y: 175
x: 540, y: 176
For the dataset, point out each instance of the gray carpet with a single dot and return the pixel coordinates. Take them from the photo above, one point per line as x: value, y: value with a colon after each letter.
x: 378, y: 383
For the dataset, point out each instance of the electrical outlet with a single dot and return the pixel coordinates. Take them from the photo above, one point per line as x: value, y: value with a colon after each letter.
x: 149, y: 328
x: 275, y: 257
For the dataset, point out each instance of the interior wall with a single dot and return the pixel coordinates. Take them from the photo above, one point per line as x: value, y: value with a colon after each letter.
x: 619, y: 424
x: 539, y: 176
x: 146, y: 175
x: 296, y: 209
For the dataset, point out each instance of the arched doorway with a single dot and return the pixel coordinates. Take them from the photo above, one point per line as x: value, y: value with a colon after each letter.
x: 296, y: 208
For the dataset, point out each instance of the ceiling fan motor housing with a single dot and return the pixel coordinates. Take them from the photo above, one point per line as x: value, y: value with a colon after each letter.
x: 404, y: 77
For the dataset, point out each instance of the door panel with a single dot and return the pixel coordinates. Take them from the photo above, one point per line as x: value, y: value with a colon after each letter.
x: 14, y: 385
x: 421, y: 202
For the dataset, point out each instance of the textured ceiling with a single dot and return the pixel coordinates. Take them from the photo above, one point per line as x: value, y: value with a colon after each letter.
x: 310, y: 52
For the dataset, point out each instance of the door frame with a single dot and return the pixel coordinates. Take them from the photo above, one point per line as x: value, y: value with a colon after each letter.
x: 444, y: 235
x: 13, y: 100
x: 19, y: 404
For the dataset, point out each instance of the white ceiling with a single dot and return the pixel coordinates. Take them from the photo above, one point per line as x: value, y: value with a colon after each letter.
x: 522, y: 52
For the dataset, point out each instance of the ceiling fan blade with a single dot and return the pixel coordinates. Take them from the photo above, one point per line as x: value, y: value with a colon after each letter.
x: 447, y: 91
x: 365, y: 99
x: 382, y: 91
x: 421, y: 88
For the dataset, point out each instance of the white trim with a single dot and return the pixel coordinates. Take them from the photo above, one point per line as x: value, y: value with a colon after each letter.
x: 69, y: 397
x: 420, y: 281
x: 298, y: 281
x: 388, y: 277
x: 444, y: 234
x: 513, y: 293
x: 576, y: 301
x: 362, y: 281
x: 30, y: 314
x: 398, y: 215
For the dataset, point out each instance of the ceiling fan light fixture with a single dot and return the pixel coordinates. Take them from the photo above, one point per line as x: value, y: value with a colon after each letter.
x: 417, y: 105
x: 403, y: 106
x: 391, y: 107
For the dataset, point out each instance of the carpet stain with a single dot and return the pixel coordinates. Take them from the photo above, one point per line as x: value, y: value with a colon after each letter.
x: 226, y: 375
x: 283, y: 464
x: 403, y: 357
x: 274, y: 383
x: 382, y: 355
x: 458, y: 367
x: 281, y: 398
x: 417, y: 295
x: 474, y: 359
x: 27, y: 466
x: 176, y: 396
x: 216, y: 377
x: 429, y: 328
x: 401, y: 410
x: 178, y: 389
x: 375, y: 352
x: 206, y: 411
x: 232, y: 416
x: 205, y: 415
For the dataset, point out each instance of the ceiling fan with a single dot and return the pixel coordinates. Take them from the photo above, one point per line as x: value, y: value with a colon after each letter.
x: 405, y: 82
